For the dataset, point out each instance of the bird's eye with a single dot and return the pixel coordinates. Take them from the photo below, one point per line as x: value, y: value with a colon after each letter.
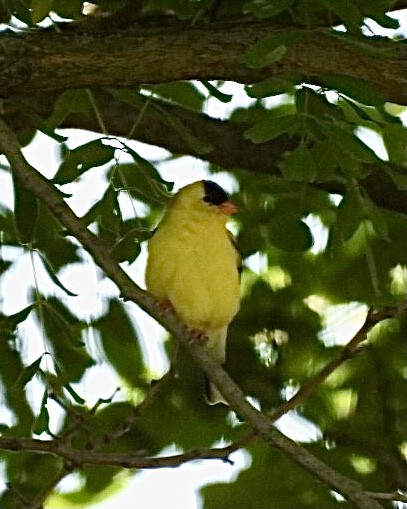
x: 214, y: 194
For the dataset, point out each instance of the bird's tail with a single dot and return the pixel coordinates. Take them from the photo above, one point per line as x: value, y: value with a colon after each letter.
x: 216, y: 346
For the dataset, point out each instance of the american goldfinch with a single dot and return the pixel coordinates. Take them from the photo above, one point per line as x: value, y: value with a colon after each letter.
x: 194, y: 265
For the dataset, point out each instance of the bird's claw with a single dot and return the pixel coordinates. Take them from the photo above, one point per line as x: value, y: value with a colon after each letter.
x: 197, y: 335
x: 164, y: 307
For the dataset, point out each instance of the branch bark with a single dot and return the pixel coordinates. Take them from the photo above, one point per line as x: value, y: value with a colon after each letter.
x: 45, y: 61
x: 229, y: 148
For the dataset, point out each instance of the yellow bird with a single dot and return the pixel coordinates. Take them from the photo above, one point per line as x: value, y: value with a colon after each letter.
x: 194, y: 264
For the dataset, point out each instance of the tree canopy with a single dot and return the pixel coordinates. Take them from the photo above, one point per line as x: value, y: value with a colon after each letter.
x: 288, y: 98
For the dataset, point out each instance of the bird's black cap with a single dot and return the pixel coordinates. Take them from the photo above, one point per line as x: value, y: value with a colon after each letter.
x: 214, y: 193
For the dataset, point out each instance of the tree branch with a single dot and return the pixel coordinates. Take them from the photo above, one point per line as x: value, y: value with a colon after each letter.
x: 229, y: 148
x: 79, y: 458
x: 44, y: 191
x: 395, y: 496
x: 44, y: 62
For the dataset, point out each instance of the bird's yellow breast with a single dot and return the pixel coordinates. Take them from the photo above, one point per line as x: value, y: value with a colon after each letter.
x: 193, y: 264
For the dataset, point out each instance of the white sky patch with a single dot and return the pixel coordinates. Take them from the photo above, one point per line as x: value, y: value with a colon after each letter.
x: 216, y: 108
x: 177, y: 487
x: 6, y: 186
x: 319, y: 232
x: 374, y: 28
x: 183, y: 171
x: 257, y: 262
x: 43, y: 154
x: 298, y: 428
x: 341, y: 322
x: 373, y: 140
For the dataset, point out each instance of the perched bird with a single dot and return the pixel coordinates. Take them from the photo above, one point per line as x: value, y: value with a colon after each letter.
x: 193, y: 264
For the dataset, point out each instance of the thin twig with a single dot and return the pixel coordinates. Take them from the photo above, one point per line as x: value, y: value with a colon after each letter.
x: 395, y: 496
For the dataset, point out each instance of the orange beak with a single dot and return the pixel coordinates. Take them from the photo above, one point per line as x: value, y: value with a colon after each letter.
x: 228, y: 208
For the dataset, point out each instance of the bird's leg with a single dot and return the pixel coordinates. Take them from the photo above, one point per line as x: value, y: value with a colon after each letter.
x: 164, y: 307
x: 197, y: 335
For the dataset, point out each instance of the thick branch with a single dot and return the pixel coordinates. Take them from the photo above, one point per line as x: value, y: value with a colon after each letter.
x: 229, y: 148
x: 44, y: 191
x: 47, y: 61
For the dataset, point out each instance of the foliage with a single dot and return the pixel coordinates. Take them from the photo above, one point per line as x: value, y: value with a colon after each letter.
x: 311, y: 176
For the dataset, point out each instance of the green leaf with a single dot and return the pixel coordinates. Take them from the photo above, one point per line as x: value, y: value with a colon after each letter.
x: 299, y: 165
x: 271, y: 128
x: 30, y: 371
x: 128, y: 247
x: 11, y: 368
x: 137, y: 181
x: 348, y: 143
x: 360, y: 43
x: 121, y: 344
x: 264, y: 56
x: 181, y: 92
x: 309, y: 102
x: 8, y: 230
x: 400, y: 179
x: 347, y: 11
x: 29, y: 473
x: 289, y: 233
x: 272, y: 86
x: 386, y: 21
x: 75, y: 396
x: 295, y: 488
x: 40, y: 9
x: 356, y: 88
x: 325, y: 160
x: 377, y: 218
x: 41, y: 423
x: 270, y: 49
x: 52, y: 242
x: 25, y: 212
x: 375, y: 8
x: 198, y: 146
x: 349, y: 215
x: 64, y: 335
x: 101, y: 211
x: 165, y: 186
x: 395, y: 140
x: 258, y: 113
x: 68, y: 10
x: 70, y: 101
x: 20, y: 316
x: 263, y: 9
x: 51, y: 273
x: 83, y: 158
x: 358, y: 114
x: 215, y: 92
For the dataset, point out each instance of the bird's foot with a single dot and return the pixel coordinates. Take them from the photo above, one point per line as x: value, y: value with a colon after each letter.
x: 197, y: 335
x: 164, y: 307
